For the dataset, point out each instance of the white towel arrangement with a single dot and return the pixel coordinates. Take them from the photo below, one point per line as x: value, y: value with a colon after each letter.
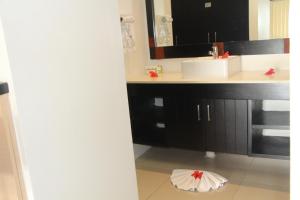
x: 127, y: 22
x: 166, y: 19
x: 276, y: 105
x: 275, y: 133
x: 197, y: 180
x: 164, y: 30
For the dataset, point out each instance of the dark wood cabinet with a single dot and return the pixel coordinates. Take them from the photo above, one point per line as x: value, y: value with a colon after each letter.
x: 148, y: 120
x: 188, y: 130
x: 204, y: 117
x: 218, y: 125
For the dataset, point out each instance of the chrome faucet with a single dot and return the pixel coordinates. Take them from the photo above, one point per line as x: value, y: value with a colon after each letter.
x: 214, y: 53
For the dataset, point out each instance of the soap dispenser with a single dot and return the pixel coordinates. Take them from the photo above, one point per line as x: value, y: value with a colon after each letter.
x: 214, y: 52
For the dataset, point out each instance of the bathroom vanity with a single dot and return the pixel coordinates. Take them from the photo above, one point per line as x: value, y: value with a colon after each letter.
x: 224, y: 115
x: 212, y: 104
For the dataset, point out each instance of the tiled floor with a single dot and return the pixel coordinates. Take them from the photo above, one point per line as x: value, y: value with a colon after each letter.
x: 8, y: 186
x: 249, y: 178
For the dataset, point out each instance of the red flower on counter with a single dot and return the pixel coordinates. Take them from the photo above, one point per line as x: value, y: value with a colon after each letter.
x: 153, y: 74
x: 226, y: 55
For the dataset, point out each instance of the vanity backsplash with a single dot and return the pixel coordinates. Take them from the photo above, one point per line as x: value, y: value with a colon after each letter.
x: 248, y: 62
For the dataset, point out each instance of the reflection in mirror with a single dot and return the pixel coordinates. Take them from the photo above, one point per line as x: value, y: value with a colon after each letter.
x: 268, y: 19
x: 194, y: 22
x: 163, y: 23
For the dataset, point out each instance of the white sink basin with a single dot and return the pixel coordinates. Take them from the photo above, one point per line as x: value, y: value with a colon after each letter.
x: 208, y: 68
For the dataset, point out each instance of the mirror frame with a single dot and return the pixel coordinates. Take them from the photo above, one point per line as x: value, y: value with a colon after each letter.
x: 272, y: 46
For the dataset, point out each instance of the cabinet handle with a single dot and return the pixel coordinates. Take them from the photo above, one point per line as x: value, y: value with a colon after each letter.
x: 208, y: 113
x: 208, y: 37
x: 198, y: 112
x: 215, y: 36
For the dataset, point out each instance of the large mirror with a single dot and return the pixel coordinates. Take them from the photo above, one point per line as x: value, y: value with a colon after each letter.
x: 192, y: 22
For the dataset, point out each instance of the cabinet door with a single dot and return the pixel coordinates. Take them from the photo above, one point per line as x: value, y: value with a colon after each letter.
x: 236, y: 123
x: 225, y: 125
x: 188, y: 132
x: 148, y: 119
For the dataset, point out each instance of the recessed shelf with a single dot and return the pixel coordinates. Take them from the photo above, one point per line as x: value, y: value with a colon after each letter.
x: 271, y: 119
x: 271, y: 145
x: 269, y: 131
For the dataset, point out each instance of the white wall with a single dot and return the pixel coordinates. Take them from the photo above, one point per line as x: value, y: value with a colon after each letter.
x: 4, y: 63
x: 73, y: 122
x: 135, y: 60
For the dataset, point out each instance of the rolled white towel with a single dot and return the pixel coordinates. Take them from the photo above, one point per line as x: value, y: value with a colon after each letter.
x: 276, y: 133
x: 276, y: 105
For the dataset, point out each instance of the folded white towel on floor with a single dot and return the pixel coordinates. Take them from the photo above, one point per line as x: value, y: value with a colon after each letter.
x: 197, y: 180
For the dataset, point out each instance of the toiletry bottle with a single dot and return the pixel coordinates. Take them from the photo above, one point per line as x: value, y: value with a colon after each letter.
x: 159, y: 69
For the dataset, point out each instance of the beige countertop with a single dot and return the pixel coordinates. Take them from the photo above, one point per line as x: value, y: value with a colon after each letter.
x: 282, y: 76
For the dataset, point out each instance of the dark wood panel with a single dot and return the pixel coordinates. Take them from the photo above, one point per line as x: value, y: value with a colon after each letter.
x: 150, y: 21
x: 187, y: 51
x: 188, y: 127
x: 275, y: 46
x: 245, y: 91
x: 3, y: 88
x: 277, y: 91
x: 230, y: 117
x: 220, y: 125
x: 241, y: 127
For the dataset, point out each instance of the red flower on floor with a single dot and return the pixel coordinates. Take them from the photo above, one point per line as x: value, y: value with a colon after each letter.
x: 197, y: 174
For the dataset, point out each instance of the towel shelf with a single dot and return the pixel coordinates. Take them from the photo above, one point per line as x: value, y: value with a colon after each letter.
x: 268, y: 145
x: 271, y: 119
